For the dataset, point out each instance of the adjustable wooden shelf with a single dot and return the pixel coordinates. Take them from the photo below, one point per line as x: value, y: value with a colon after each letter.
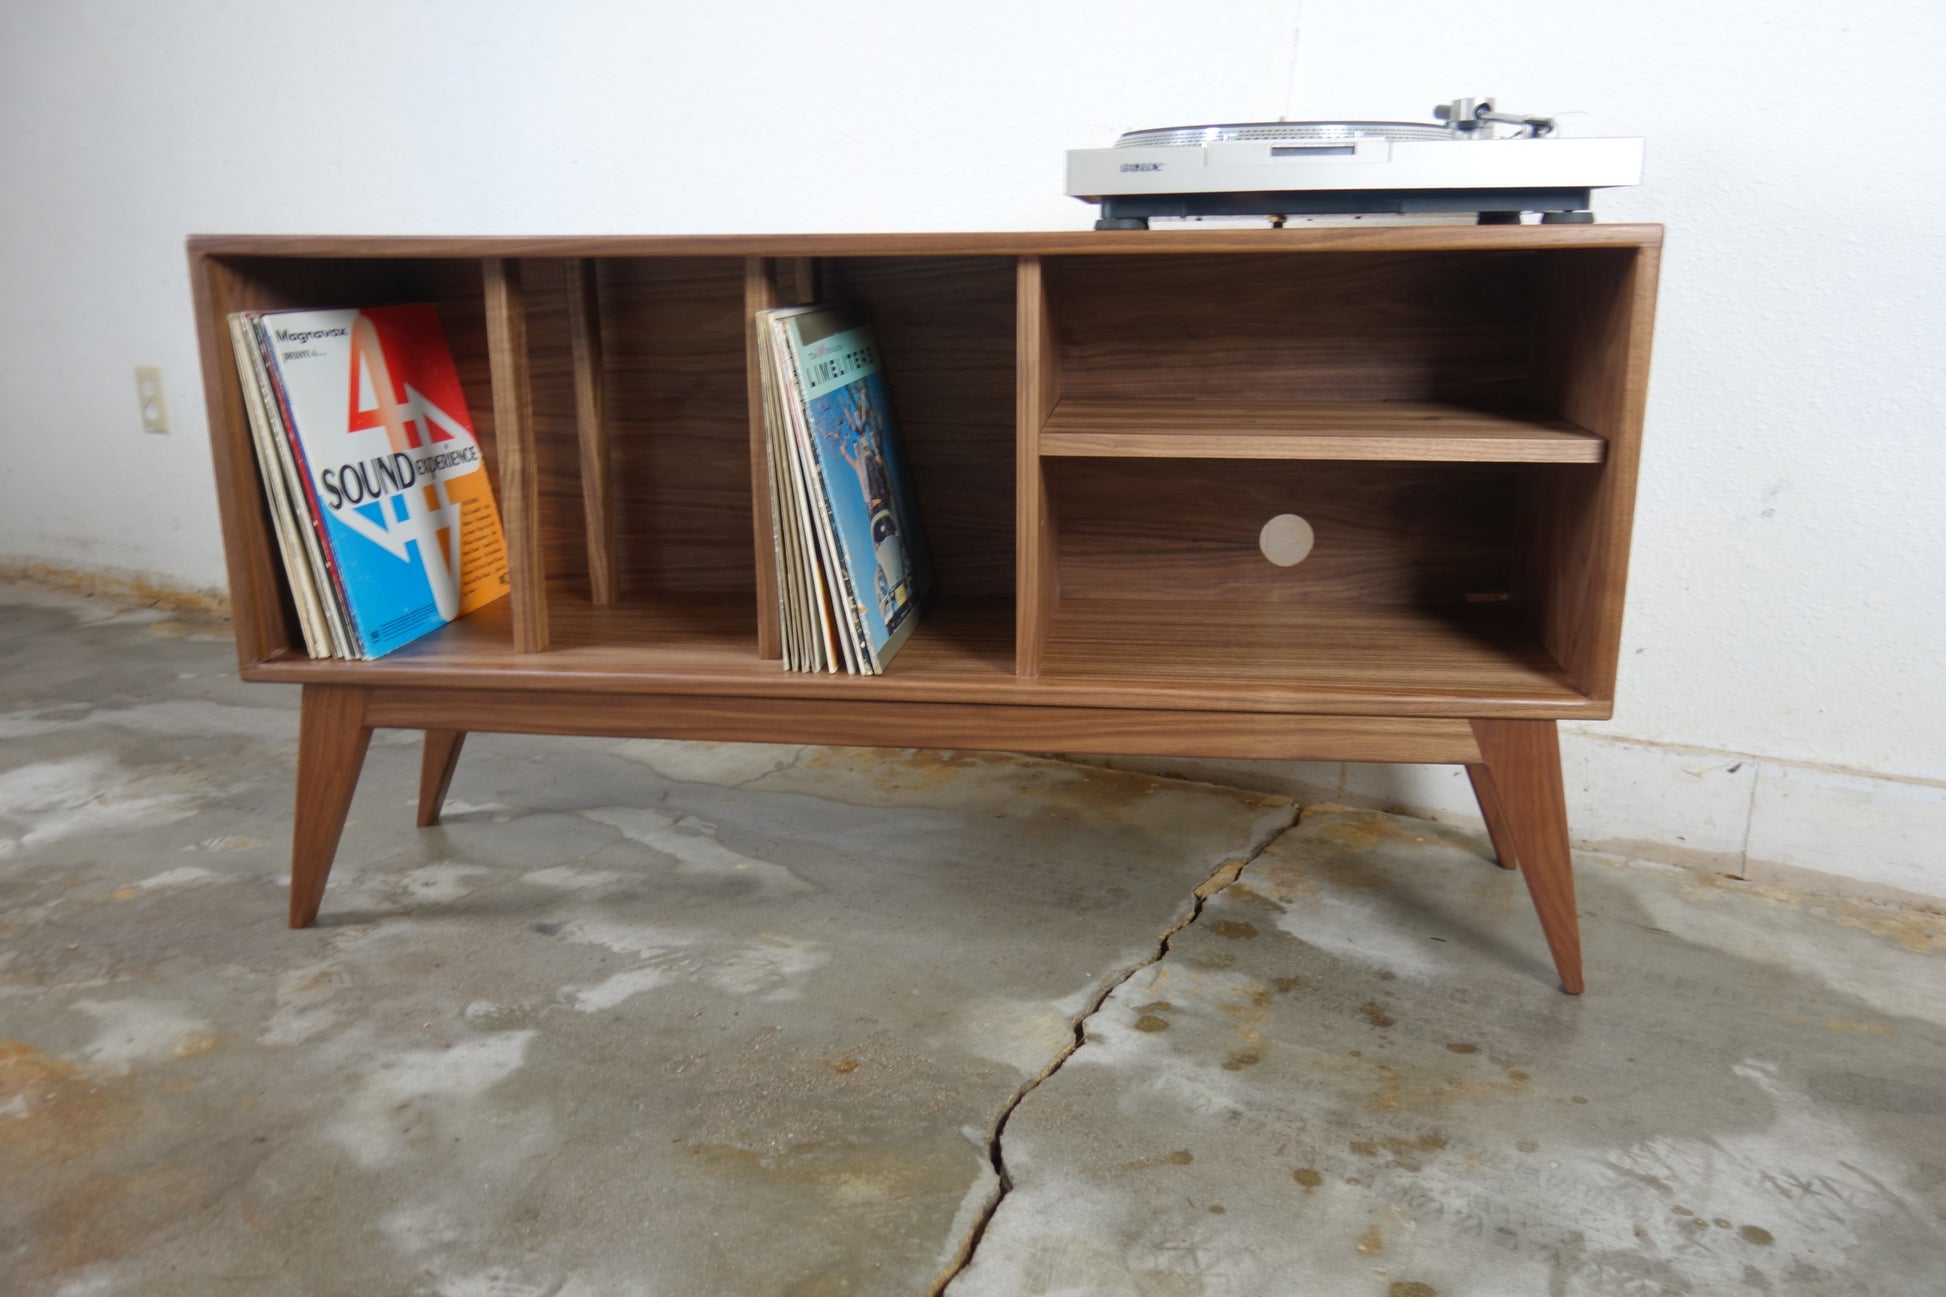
x: 1099, y: 425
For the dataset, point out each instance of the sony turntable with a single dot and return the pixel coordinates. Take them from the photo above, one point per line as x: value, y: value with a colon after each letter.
x: 1474, y: 158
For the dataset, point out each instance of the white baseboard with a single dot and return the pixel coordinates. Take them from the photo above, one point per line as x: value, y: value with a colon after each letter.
x: 1838, y: 832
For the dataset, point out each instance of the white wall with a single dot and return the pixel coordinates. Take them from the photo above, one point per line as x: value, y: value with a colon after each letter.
x: 1789, y: 600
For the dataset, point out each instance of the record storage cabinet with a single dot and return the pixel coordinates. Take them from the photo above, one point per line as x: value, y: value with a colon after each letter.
x: 1098, y: 424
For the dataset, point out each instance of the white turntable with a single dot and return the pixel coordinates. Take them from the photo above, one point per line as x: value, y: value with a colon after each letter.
x: 1473, y: 159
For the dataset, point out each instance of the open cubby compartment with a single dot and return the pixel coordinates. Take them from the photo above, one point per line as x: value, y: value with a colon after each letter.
x: 265, y: 612
x: 945, y: 326
x: 1427, y: 411
x: 641, y: 437
x: 1416, y: 587
x: 1330, y: 355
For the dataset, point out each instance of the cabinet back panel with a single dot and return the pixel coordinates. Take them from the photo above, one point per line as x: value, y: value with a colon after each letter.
x: 1419, y: 534
x: 673, y: 400
x: 946, y: 328
x: 1295, y: 327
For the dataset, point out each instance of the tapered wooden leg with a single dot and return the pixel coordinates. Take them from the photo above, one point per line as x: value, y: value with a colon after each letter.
x: 1503, y: 842
x: 436, y: 767
x: 1523, y: 759
x: 331, y: 742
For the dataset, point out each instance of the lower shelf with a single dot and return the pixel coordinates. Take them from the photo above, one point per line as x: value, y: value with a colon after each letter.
x: 711, y: 634
x: 694, y: 638
x: 1353, y: 648
x: 1319, y: 659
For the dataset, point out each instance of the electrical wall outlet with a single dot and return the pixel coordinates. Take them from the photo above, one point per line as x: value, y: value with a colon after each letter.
x: 148, y: 389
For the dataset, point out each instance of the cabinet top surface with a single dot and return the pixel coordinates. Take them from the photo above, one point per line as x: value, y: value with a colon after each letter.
x: 1374, y: 238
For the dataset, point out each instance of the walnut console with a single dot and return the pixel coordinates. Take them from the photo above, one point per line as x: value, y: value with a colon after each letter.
x: 1099, y: 424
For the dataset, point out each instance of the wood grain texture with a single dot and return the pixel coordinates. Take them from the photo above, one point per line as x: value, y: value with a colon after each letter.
x: 1361, y: 660
x: 554, y: 394
x: 674, y: 407
x: 437, y: 762
x: 799, y: 281
x: 945, y: 327
x: 1524, y: 761
x: 930, y: 725
x: 1378, y: 651
x: 1298, y: 327
x: 520, y: 477
x: 333, y: 734
x: 674, y: 314
x: 1593, y: 366
x: 675, y: 335
x: 1425, y: 534
x: 597, y: 504
x: 1330, y: 430
x: 1134, y: 243
x: 1504, y: 854
x: 761, y: 293
x: 1037, y: 566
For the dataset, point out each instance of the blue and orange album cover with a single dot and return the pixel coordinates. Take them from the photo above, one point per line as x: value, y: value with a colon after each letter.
x: 378, y: 422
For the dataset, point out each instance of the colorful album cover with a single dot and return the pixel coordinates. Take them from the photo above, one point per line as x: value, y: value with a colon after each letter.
x: 378, y: 419
x: 871, y: 505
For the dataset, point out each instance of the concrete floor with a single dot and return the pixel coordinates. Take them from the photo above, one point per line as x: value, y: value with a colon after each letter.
x: 660, y: 1019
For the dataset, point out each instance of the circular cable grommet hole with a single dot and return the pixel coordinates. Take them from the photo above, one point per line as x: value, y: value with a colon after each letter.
x: 1286, y: 540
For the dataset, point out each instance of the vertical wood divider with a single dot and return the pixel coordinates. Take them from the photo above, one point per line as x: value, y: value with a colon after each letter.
x: 513, y: 431
x: 760, y: 294
x: 804, y: 280
x: 1595, y: 368
x: 597, y: 495
x: 1038, y: 388
x: 1625, y: 356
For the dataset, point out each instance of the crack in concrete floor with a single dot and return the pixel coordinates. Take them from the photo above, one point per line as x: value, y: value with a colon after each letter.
x: 1220, y: 878
x: 638, y: 1016
x: 721, y: 1019
x: 1352, y: 1076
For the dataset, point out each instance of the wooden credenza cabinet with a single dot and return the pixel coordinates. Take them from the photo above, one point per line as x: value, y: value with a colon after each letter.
x: 1100, y: 425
